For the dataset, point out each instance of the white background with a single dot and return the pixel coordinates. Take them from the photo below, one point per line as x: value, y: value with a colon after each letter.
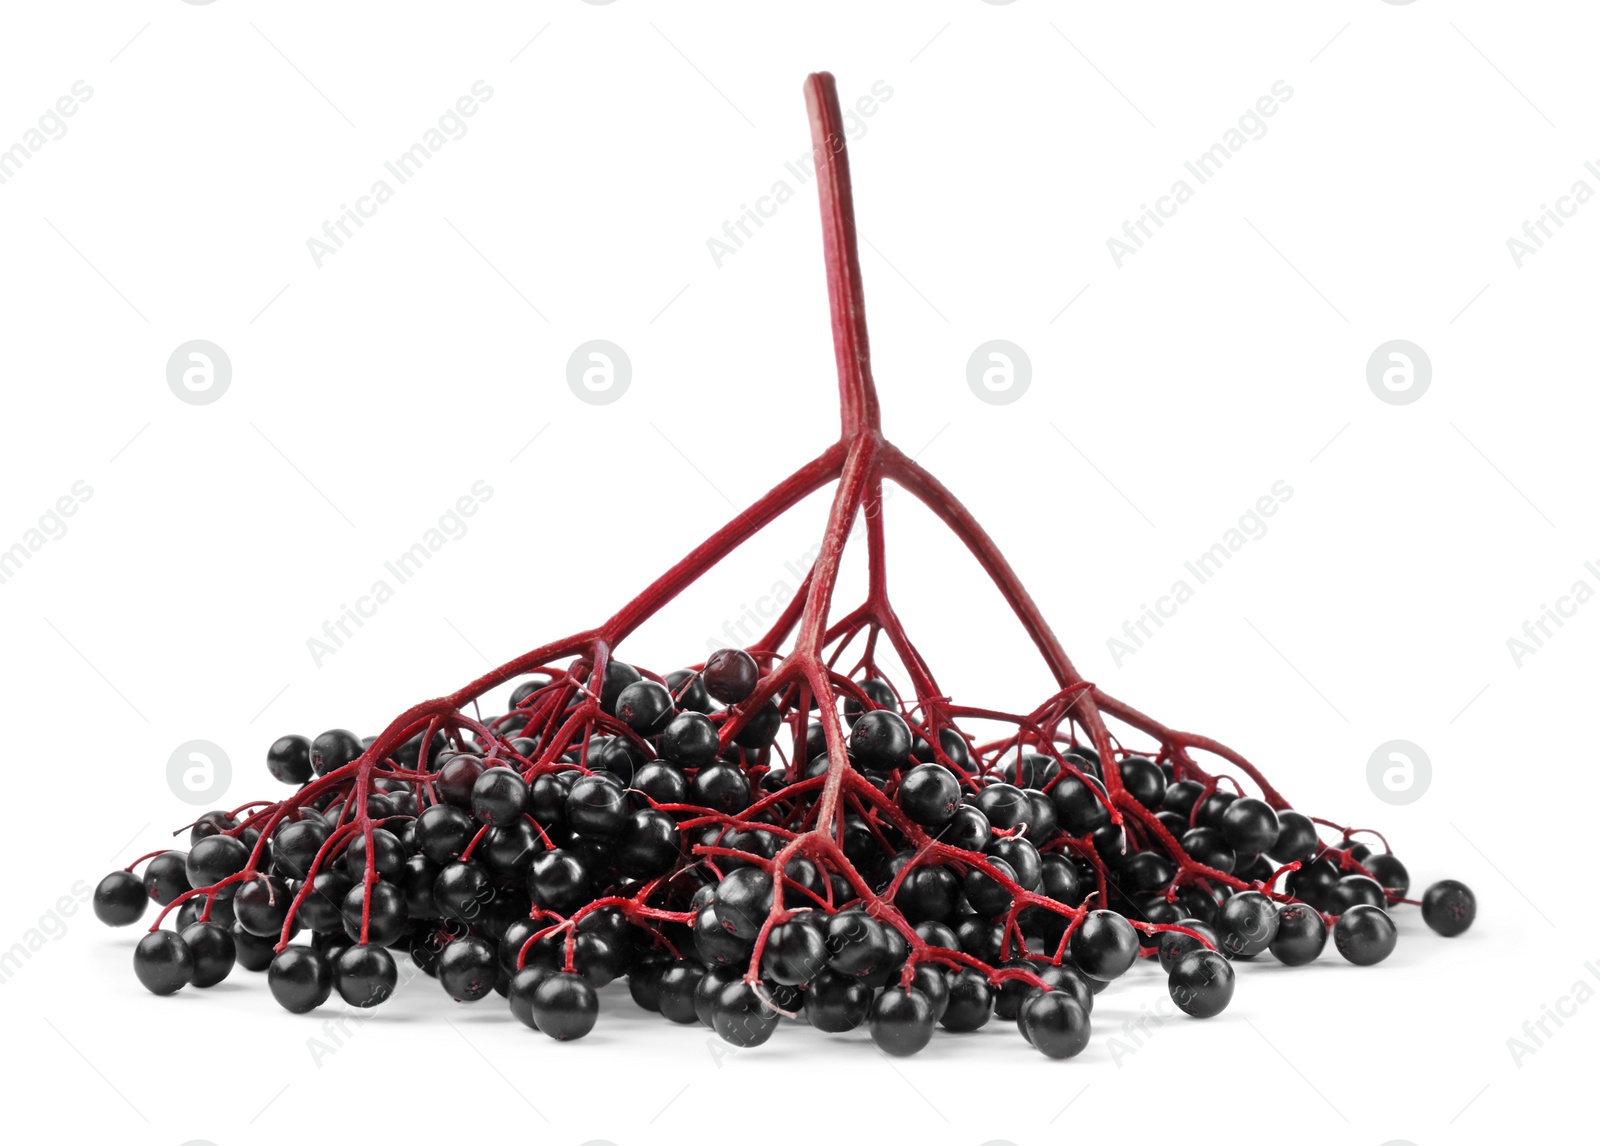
x: 369, y: 394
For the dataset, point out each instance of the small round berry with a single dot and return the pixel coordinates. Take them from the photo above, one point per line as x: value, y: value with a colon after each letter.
x: 1201, y: 983
x: 1365, y: 935
x: 289, y: 759
x: 1449, y: 907
x: 1250, y: 825
x: 334, y: 749
x: 300, y: 978
x: 645, y: 706
x: 901, y: 1020
x: 1301, y: 935
x: 211, y: 947
x: 1055, y: 1023
x: 564, y: 1006
x: 740, y: 1016
x: 365, y: 975
x: 690, y: 741
x: 1104, y: 946
x: 119, y: 899
x: 730, y: 675
x: 880, y: 740
x: 162, y: 962
x: 1247, y: 923
x: 499, y: 796
x: 467, y: 969
x: 929, y: 794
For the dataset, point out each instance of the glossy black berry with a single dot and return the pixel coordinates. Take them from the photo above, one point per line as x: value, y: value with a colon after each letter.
x: 740, y: 1017
x: 689, y: 741
x: 1301, y: 935
x: 971, y: 1001
x: 1250, y: 825
x: 386, y: 920
x: 119, y: 899
x: 837, y: 1003
x: 289, y: 759
x: 645, y: 706
x: 1201, y: 983
x: 1449, y: 907
x: 558, y: 881
x: 901, y: 1020
x: 597, y: 805
x: 1174, y: 945
x: 1297, y: 837
x: 499, y: 796
x: 162, y: 962
x: 1246, y: 924
x: 1143, y: 779
x: 1079, y: 805
x: 252, y: 952
x: 1104, y: 946
x: 881, y: 740
x: 443, y: 831
x: 564, y: 1006
x: 988, y: 896
x: 929, y: 794
x: 796, y: 951
x: 1206, y: 845
x: 1390, y: 873
x: 166, y: 877
x: 468, y: 969
x: 723, y: 787
x: 743, y: 900
x: 214, y: 859
x: 760, y: 727
x: 300, y: 978
x: 1355, y: 889
x: 365, y: 975
x: 675, y: 992
x: 1055, y: 1023
x: 648, y: 844
x: 334, y: 749
x: 1365, y: 935
x: 211, y: 948
x: 262, y: 904
x: 520, y: 991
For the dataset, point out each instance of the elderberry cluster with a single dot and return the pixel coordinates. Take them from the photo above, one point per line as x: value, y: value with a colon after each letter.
x: 614, y: 824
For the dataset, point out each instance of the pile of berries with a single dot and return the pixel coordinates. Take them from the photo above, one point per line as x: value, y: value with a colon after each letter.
x: 542, y: 860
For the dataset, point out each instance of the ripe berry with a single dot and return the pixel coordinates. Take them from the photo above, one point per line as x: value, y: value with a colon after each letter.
x: 289, y: 759
x: 334, y: 749
x: 987, y: 896
x: 1174, y: 945
x: 730, y: 675
x: 1365, y: 935
x: 214, y: 859
x: 365, y: 975
x: 1301, y: 934
x: 688, y: 691
x: 1352, y: 890
x: 558, y: 881
x: 1143, y: 779
x: 1297, y: 837
x: 301, y: 979
x: 457, y: 778
x: 689, y: 741
x: 796, y: 951
x: 648, y: 844
x: 901, y: 1021
x: 261, y: 905
x: 467, y: 969
x: 520, y: 993
x: 971, y: 1001
x: 675, y: 995
x: 722, y: 787
x: 1055, y: 1023
x: 1247, y: 923
x: 443, y: 831
x: 1250, y: 825
x: 564, y: 1006
x: 645, y: 706
x: 1390, y: 873
x: 597, y: 805
x: 499, y: 796
x: 119, y: 899
x: 387, y: 918
x: 740, y: 1017
x: 1449, y: 907
x: 928, y: 793
x: 1104, y: 946
x: 211, y: 947
x: 162, y: 962
x: 837, y: 1003
x: 743, y: 900
x: 881, y: 740
x: 167, y: 876
x: 1201, y: 983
